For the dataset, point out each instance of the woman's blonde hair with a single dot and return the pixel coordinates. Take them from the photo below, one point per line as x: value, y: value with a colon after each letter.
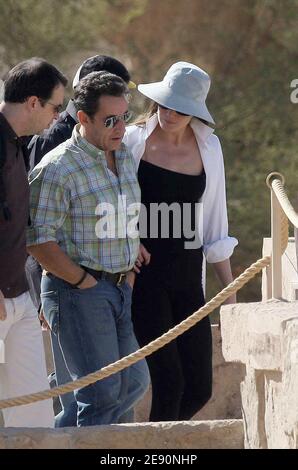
x: 143, y: 118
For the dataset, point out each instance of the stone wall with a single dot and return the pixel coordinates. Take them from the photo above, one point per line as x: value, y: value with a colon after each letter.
x: 225, y: 434
x: 263, y: 336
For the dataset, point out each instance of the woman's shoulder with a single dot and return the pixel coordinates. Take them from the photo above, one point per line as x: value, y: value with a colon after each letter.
x: 214, y: 142
x: 205, y: 134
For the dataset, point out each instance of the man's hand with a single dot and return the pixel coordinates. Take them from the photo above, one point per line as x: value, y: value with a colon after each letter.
x: 143, y: 258
x: 3, y: 313
x: 44, y: 324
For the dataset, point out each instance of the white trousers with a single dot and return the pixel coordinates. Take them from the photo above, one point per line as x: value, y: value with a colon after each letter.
x: 23, y: 368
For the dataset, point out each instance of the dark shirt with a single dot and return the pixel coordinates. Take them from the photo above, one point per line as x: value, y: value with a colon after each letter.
x: 13, y: 232
x: 60, y: 131
x: 160, y: 185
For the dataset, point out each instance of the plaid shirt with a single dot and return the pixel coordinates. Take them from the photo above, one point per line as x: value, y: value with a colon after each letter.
x: 71, y: 190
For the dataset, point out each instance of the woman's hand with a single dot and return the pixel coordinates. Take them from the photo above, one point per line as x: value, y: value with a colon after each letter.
x: 143, y: 258
x: 224, y: 274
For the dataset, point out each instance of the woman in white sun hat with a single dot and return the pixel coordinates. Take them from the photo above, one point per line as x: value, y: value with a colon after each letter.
x: 180, y: 164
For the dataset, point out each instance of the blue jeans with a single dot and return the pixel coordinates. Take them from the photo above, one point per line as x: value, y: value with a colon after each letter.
x: 94, y: 329
x: 68, y: 414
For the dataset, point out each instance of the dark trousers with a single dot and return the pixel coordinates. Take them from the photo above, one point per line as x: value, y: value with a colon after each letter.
x: 165, y: 293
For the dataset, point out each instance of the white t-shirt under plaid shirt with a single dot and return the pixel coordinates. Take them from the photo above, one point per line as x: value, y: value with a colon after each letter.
x: 76, y: 201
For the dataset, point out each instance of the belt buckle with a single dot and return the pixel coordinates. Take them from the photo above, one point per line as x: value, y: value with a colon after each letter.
x: 121, y: 278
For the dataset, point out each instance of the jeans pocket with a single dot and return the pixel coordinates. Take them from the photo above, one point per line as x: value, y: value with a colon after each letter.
x: 50, y: 306
x: 85, y: 290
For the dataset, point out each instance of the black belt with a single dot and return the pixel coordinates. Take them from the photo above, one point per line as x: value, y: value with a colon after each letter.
x: 115, y: 278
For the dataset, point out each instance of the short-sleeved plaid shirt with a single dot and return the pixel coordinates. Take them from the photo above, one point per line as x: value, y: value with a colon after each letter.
x: 79, y: 203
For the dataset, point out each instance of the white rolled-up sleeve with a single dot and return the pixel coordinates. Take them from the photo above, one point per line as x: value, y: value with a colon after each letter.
x: 217, y: 244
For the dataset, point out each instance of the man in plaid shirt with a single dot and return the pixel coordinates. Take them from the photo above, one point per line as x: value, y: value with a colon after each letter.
x: 83, y: 194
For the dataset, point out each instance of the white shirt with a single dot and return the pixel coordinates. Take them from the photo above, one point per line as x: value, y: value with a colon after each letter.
x: 217, y: 245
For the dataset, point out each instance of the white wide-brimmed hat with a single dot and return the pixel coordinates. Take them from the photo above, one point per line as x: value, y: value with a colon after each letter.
x: 184, y: 88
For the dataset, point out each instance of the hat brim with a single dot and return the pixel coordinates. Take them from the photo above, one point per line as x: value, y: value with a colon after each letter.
x: 162, y: 94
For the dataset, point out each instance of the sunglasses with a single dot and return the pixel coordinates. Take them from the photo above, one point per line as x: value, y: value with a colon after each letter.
x: 111, y: 121
x: 178, y: 112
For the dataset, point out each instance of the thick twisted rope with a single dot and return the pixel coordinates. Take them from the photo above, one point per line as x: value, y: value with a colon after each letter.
x: 283, y: 199
x: 127, y: 361
x: 276, y: 182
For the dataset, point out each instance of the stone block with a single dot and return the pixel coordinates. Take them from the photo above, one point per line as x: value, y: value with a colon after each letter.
x: 222, y: 434
x: 267, y: 344
x: 251, y: 332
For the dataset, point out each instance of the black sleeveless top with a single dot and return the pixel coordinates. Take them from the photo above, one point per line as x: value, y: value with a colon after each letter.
x: 168, y: 230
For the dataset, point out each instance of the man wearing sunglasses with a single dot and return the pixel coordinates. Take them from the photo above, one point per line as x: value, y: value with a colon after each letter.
x: 87, y: 286
x: 39, y: 145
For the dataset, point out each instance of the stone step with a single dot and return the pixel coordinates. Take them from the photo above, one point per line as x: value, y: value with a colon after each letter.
x: 217, y: 434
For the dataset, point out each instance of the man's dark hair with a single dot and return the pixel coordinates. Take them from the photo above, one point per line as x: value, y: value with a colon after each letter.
x: 32, y: 77
x: 98, y: 63
x: 93, y: 86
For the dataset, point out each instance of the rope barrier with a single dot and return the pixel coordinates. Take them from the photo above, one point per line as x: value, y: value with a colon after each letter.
x: 153, y: 346
x: 276, y: 182
x: 281, y: 213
